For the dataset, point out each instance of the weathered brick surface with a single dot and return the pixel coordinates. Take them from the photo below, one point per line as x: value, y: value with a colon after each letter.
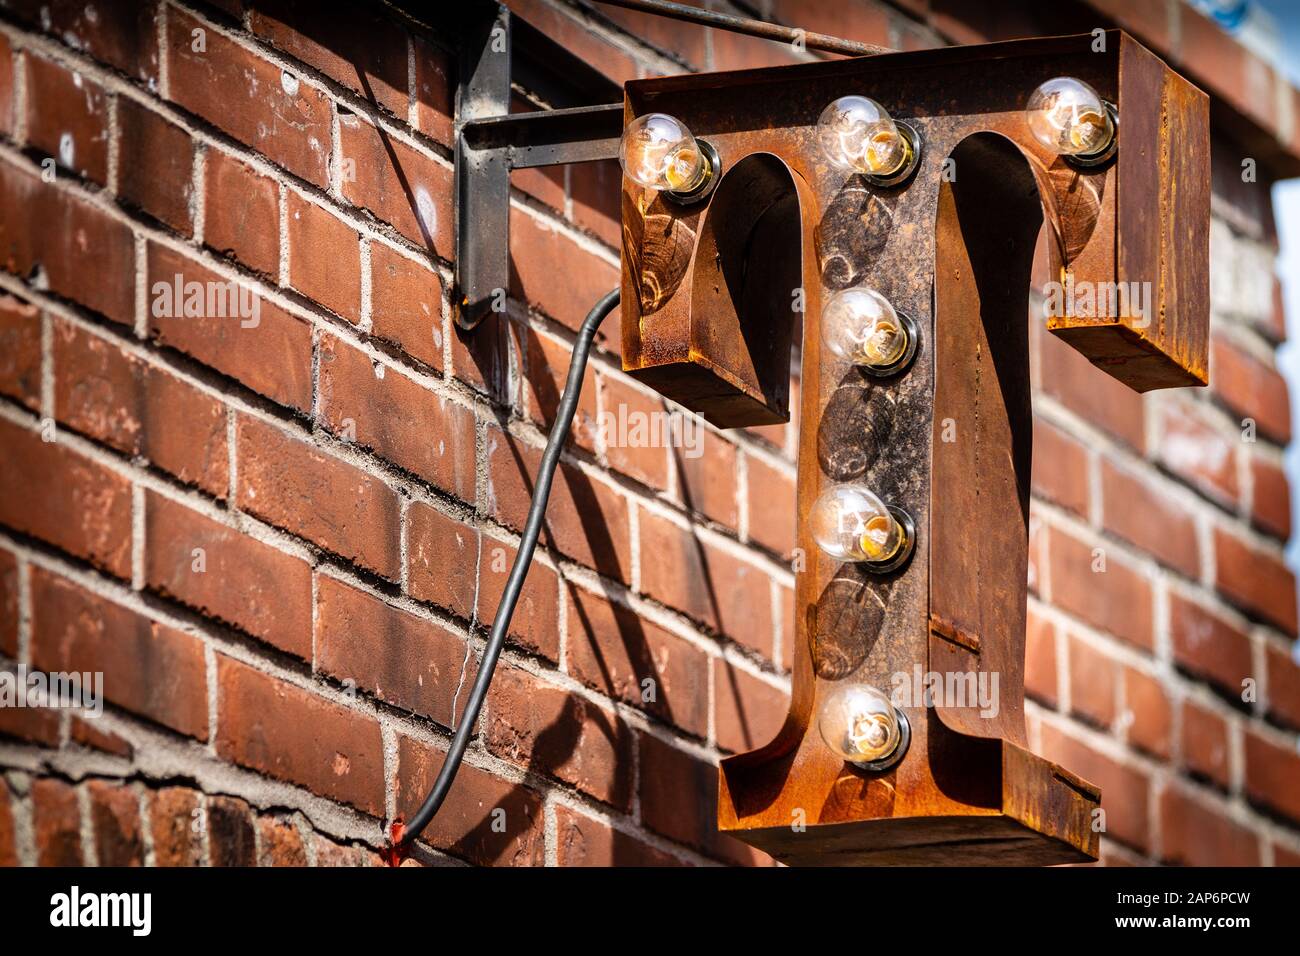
x: 67, y: 118
x: 292, y: 735
x: 226, y: 575
x: 356, y: 470
x: 399, y: 657
x: 305, y: 490
x: 149, y: 668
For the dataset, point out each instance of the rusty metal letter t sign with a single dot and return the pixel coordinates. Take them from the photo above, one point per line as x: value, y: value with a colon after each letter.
x: 889, y: 207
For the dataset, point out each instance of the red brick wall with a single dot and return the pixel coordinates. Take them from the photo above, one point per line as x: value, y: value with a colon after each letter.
x: 280, y: 542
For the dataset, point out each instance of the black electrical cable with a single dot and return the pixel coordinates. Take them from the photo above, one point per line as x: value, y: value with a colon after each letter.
x: 518, y: 571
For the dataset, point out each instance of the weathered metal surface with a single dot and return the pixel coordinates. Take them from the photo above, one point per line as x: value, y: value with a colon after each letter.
x: 955, y: 254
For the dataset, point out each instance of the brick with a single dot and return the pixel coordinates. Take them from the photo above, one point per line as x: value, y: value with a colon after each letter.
x: 1147, y: 707
x: 267, y: 349
x: 594, y: 51
x: 231, y: 839
x: 1195, y: 834
x: 329, y: 853
x: 279, y: 843
x: 1040, y: 660
x: 272, y: 110
x: 51, y: 492
x: 583, y: 841
x: 298, y: 487
x: 1070, y: 378
x: 706, y: 478
x: 139, y: 409
x: 67, y: 118
x: 121, y: 33
x: 464, y: 825
x: 149, y: 668
x: 1093, y: 679
x: 6, y: 87
x: 1124, y: 788
x: 398, y: 184
x: 735, y: 51
x: 9, y: 588
x: 241, y: 212
x: 481, y: 358
x: 447, y: 563
x: 1208, y: 645
x: 290, y: 734
x: 1270, y: 506
x: 227, y: 575
x: 50, y: 236
x: 772, y: 505
x: 596, y: 191
x: 552, y: 731
x: 155, y: 165
x: 616, y: 652
x: 8, y: 831
x: 1283, y: 686
x: 435, y: 85
x: 1273, y: 775
x: 621, y: 404
x: 1198, y: 452
x: 1149, y: 517
x: 747, y: 711
x: 863, y: 20
x: 56, y: 819
x: 1285, y: 856
x: 20, y: 351
x: 548, y: 370
x: 37, y: 725
x: 539, y: 252
x: 115, y: 816
x: 668, y: 36
x: 1117, y: 600
x: 86, y: 734
x: 679, y: 800
x: 403, y: 422
x: 710, y: 584
x: 1206, y: 753
x: 324, y: 257
x: 585, y: 518
x: 1252, y: 389
x: 406, y: 304
x: 359, y: 48
x: 1255, y: 580
x: 400, y: 658
x: 174, y: 822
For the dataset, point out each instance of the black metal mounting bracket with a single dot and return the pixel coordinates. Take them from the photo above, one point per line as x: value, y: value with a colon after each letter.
x: 490, y: 143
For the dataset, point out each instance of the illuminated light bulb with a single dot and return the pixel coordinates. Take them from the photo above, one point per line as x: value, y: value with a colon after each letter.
x: 857, y: 133
x: 860, y: 725
x: 1069, y: 118
x: 850, y: 523
x: 658, y: 152
x: 860, y: 326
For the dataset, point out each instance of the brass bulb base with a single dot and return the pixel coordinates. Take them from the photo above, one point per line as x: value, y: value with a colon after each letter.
x: 912, y: 147
x: 1106, y: 153
x: 912, y: 333
x: 892, y: 758
x: 905, y: 548
x: 708, y: 182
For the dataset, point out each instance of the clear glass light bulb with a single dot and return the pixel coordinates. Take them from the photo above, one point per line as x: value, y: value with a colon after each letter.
x: 860, y: 326
x: 658, y: 151
x: 851, y: 524
x: 1068, y: 117
x: 858, y: 723
x: 857, y: 133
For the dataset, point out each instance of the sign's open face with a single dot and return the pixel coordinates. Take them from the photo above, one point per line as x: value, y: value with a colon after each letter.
x: 932, y: 447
